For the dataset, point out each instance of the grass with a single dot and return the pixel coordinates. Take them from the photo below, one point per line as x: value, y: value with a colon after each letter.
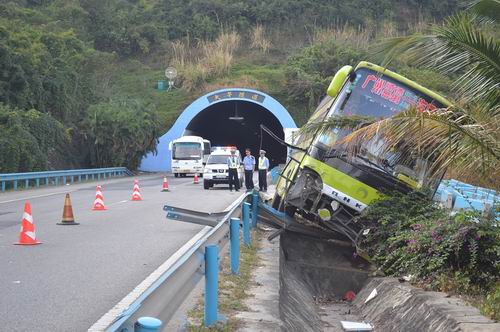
x: 136, y: 80
x: 233, y: 289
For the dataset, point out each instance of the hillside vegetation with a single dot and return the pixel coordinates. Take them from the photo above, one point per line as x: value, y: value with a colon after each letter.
x: 78, y: 77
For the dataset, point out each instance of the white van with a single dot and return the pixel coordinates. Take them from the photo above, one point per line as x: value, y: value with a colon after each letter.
x: 217, y: 171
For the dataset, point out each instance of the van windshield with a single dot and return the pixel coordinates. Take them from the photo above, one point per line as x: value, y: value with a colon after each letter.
x: 218, y: 159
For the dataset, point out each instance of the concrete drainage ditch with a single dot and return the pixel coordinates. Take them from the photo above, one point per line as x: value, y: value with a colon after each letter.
x: 315, y: 274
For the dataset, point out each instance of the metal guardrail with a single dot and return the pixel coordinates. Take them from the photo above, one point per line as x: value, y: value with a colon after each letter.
x: 44, y: 178
x: 162, y: 293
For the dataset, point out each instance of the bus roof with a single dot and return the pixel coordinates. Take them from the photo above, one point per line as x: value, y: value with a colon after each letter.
x: 189, y: 139
x: 402, y: 79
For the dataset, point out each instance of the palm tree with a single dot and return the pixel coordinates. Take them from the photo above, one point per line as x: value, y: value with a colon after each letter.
x: 465, y: 137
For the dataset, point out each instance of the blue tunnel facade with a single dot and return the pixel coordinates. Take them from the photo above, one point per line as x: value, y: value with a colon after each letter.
x: 209, y: 117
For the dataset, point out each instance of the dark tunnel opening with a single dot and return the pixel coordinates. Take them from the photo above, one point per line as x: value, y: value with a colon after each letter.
x: 214, y: 124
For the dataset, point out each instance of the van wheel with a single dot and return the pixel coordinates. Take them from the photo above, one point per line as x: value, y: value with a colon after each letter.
x: 206, y: 184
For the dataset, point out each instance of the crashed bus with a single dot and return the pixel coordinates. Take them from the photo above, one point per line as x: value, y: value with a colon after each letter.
x: 324, y: 187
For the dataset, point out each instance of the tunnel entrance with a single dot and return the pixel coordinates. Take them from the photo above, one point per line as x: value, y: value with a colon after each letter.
x: 209, y: 117
x: 237, y: 122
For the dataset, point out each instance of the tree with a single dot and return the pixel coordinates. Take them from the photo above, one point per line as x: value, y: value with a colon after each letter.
x: 120, y: 132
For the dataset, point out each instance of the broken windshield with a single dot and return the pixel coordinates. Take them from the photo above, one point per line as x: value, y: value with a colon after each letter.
x: 375, y: 96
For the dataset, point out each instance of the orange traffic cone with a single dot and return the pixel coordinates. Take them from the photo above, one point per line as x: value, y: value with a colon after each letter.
x: 195, y: 181
x: 99, y: 200
x: 67, y: 217
x: 136, y: 195
x: 27, y: 235
x: 165, y: 184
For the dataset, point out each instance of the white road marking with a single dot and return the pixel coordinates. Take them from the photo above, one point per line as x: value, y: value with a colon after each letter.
x: 117, y: 203
x: 31, y: 197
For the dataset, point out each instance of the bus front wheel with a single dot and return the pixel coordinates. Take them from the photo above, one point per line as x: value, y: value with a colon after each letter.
x: 288, y: 209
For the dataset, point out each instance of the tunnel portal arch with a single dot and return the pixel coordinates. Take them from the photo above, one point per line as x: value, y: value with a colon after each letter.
x: 208, y: 116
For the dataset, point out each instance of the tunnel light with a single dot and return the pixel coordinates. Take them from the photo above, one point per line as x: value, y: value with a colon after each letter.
x: 236, y: 116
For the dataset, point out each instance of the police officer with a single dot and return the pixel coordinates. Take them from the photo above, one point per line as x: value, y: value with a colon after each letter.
x: 263, y: 167
x: 233, y: 163
x: 249, y: 166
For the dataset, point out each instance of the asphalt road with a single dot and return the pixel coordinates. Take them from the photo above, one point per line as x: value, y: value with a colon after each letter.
x: 80, y: 272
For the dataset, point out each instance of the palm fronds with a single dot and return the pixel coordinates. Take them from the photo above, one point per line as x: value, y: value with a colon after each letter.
x: 344, y: 122
x: 486, y: 10
x: 445, y: 138
x: 460, y: 47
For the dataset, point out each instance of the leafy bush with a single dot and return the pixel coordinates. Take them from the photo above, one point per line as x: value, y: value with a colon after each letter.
x: 27, y: 139
x: 411, y: 235
x: 120, y: 132
x: 491, y: 306
x: 309, y: 72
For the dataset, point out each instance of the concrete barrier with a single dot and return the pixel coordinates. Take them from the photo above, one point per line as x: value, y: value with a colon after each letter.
x: 402, y: 307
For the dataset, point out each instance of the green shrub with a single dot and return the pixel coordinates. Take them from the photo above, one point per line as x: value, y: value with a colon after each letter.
x: 491, y: 305
x: 121, y: 132
x: 27, y: 139
x: 412, y: 235
x: 309, y: 73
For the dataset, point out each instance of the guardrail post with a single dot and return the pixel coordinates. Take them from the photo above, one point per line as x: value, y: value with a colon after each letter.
x: 56, y: 180
x: 37, y: 183
x: 246, y: 224
x: 15, y: 184
x: 147, y: 324
x: 255, y: 205
x: 235, y: 245
x: 211, y: 284
x: 3, y: 186
x: 98, y: 176
x: 47, y: 181
x: 72, y: 179
x: 79, y: 178
x: 26, y: 184
x: 65, y: 180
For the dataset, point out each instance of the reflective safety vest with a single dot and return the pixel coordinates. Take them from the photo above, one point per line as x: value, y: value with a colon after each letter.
x: 262, y: 163
x: 233, y: 162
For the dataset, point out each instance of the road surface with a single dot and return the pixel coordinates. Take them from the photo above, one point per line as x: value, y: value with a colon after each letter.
x: 80, y: 272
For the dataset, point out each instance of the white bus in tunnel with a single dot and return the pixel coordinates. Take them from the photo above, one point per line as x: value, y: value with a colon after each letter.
x: 189, y: 155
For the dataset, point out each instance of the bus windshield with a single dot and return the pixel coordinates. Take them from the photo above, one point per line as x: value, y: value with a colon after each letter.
x: 375, y: 96
x: 187, y: 150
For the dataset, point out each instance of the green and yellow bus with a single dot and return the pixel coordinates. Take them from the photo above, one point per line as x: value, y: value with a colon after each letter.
x: 323, y: 184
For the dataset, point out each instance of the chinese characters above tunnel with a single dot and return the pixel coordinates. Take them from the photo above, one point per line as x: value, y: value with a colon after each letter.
x: 239, y: 94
